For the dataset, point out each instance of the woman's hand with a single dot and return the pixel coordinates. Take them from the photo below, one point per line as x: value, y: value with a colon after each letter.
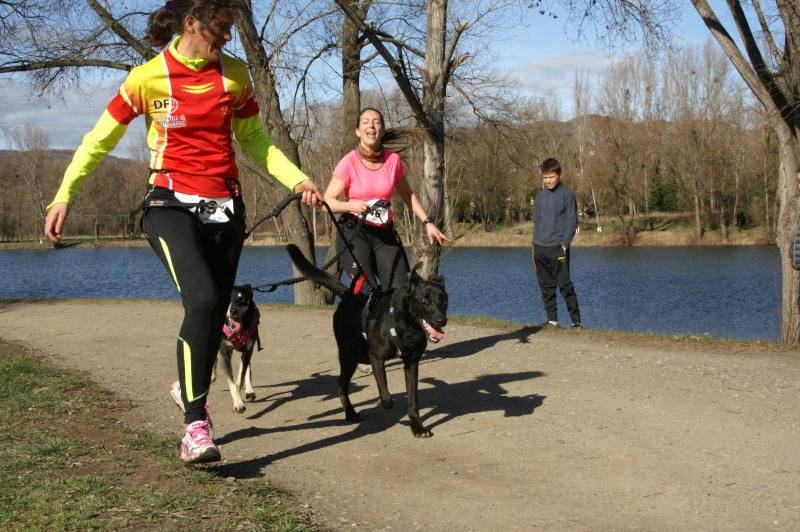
x: 434, y: 233
x: 54, y: 222
x: 358, y: 207
x: 311, y: 194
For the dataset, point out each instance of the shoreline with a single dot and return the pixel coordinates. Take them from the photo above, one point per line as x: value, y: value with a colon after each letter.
x: 695, y: 340
x: 499, y: 237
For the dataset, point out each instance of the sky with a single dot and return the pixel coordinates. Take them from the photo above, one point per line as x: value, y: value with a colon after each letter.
x: 542, y: 57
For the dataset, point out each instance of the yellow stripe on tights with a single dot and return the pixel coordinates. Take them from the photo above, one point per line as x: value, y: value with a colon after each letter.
x: 187, y: 369
x: 169, y: 261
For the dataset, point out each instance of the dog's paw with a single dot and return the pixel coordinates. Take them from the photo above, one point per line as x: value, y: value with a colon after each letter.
x: 239, y: 409
x: 421, y: 433
x: 386, y: 405
x: 352, y: 416
x: 249, y: 397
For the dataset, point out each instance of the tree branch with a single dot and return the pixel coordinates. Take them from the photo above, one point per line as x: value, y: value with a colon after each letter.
x: 765, y: 29
x: 396, y: 69
x: 758, y: 79
x: 450, y: 63
x: 145, y: 51
x: 28, y: 66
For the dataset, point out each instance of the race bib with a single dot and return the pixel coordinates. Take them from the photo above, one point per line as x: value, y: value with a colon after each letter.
x: 380, y: 211
x: 215, y: 216
x: 208, y: 215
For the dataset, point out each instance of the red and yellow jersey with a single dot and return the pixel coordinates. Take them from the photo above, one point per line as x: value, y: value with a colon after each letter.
x: 193, y: 109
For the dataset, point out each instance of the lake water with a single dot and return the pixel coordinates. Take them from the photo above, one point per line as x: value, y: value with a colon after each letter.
x: 726, y: 292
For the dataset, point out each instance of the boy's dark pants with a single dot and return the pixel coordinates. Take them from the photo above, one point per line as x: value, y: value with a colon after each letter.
x: 552, y: 269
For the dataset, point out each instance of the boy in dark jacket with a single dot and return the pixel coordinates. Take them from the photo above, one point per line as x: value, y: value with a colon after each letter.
x: 555, y: 220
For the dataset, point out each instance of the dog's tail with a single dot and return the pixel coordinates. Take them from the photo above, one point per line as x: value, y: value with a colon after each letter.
x: 315, y: 274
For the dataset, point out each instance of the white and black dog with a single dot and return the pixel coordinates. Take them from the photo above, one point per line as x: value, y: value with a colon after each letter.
x: 240, y: 334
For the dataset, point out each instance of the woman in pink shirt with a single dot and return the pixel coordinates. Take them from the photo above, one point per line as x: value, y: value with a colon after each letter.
x: 368, y: 177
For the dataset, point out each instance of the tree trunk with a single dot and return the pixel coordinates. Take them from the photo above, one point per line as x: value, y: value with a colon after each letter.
x: 279, y: 131
x: 736, y: 200
x: 697, y: 221
x: 789, y: 209
x: 448, y: 214
x: 723, y: 225
x: 351, y: 79
x: 434, y: 86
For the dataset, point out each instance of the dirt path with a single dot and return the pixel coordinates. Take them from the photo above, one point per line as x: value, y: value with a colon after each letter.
x: 549, y: 429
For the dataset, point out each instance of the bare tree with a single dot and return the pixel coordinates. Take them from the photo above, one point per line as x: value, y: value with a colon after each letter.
x: 621, y: 100
x: 32, y: 144
x: 263, y: 70
x: 582, y: 140
x: 765, y: 55
x: 423, y: 69
x: 700, y: 92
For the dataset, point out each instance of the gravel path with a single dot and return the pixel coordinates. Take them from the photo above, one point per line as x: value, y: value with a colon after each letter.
x: 532, y: 429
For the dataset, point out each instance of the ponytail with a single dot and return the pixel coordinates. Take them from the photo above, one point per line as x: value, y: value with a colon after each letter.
x: 168, y: 20
x: 401, y: 138
x: 162, y: 25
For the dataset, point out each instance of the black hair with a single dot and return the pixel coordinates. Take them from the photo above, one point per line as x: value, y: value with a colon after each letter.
x: 406, y: 136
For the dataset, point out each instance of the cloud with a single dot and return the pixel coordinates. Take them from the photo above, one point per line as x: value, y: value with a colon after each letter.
x: 556, y: 73
x: 66, y: 122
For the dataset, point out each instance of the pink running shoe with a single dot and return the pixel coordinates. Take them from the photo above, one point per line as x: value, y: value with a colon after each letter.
x: 196, y: 445
x: 175, y: 391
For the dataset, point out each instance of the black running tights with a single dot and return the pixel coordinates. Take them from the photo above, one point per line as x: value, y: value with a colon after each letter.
x: 202, y: 260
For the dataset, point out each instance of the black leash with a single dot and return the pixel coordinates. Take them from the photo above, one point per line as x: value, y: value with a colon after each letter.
x: 275, y: 212
x: 348, y: 246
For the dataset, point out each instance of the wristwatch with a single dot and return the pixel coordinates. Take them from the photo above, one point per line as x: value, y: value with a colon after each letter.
x: 427, y: 221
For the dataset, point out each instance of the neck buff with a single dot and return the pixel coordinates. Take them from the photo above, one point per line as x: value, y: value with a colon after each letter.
x: 375, y: 157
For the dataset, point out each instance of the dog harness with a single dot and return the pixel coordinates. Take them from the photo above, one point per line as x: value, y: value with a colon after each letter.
x: 239, y: 339
x: 403, y: 348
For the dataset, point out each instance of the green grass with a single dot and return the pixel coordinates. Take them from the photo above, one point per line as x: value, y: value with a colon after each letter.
x: 68, y: 461
x: 698, y: 339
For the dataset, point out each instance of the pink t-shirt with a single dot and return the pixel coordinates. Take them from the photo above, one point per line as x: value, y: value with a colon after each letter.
x: 363, y: 184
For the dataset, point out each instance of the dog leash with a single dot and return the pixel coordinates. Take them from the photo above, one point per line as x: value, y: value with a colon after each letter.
x: 275, y: 212
x: 348, y: 243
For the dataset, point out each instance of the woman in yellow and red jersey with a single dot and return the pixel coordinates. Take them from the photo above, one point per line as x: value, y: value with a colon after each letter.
x: 195, y: 100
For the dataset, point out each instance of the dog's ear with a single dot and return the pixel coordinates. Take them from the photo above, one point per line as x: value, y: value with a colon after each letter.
x: 438, y: 279
x: 248, y: 290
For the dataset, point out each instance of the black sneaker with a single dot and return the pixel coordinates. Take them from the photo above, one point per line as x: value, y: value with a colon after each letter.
x: 577, y: 325
x: 552, y: 324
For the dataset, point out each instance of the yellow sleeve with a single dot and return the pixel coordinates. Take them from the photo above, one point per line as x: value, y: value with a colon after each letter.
x: 96, y: 145
x: 250, y: 134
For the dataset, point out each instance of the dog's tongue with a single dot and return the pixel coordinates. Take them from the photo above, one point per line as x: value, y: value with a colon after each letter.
x: 234, y: 326
x: 433, y: 333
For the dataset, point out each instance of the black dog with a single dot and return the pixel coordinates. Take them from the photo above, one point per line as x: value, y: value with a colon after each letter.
x: 241, y: 334
x: 402, y: 320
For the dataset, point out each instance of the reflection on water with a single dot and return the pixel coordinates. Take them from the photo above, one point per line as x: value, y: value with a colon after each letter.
x: 729, y: 292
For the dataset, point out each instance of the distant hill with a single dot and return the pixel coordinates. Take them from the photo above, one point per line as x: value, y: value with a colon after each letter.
x: 64, y: 156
